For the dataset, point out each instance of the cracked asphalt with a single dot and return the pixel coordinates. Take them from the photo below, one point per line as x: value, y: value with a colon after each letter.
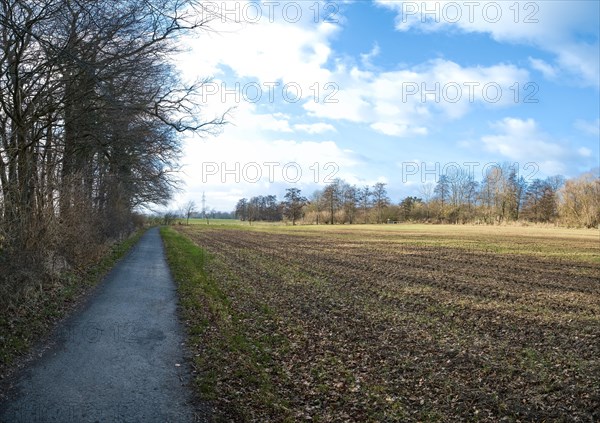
x: 119, y: 359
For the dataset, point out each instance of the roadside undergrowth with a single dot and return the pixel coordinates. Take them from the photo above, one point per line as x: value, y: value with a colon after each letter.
x: 30, y: 317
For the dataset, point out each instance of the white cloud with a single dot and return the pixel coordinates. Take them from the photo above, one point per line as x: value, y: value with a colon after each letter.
x: 523, y: 141
x: 314, y: 128
x: 385, y: 101
x: 249, y: 159
x: 230, y: 167
x: 588, y: 127
x: 268, y: 122
x: 581, y: 60
x: 554, y: 26
x: 366, y: 58
x: 398, y: 130
x: 302, y: 53
x: 407, y: 101
x: 265, y: 52
x: 549, y: 71
x: 390, y: 128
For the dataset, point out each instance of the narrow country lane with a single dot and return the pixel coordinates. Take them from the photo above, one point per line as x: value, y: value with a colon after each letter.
x: 120, y: 359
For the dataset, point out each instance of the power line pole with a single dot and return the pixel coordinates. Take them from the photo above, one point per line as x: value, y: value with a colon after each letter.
x: 204, y: 207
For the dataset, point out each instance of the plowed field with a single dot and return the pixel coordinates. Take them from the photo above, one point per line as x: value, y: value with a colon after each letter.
x: 370, y: 325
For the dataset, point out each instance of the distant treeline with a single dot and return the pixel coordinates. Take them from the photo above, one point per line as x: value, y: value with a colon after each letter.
x: 501, y: 196
x: 214, y: 215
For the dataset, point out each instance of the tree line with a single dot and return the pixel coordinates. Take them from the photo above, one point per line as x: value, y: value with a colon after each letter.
x: 269, y: 209
x: 501, y: 196
x: 90, y: 111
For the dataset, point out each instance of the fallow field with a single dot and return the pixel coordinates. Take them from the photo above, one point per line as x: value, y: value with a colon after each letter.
x: 391, y: 322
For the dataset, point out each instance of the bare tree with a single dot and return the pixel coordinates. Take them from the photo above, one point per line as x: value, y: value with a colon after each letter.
x: 189, y: 209
x: 293, y: 204
x: 90, y: 112
x: 580, y: 201
x: 380, y: 199
x: 241, y: 209
x: 349, y: 202
x: 331, y: 198
x: 426, y: 190
x: 364, y: 200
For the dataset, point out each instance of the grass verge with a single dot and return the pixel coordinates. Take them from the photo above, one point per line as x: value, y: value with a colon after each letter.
x: 235, y: 368
x: 24, y: 323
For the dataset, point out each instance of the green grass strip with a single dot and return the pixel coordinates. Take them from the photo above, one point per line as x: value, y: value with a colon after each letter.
x: 235, y: 368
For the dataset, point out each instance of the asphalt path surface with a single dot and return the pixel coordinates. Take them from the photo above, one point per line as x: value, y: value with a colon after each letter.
x: 119, y: 359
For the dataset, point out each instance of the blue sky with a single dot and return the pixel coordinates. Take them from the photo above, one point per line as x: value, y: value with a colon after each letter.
x: 386, y: 91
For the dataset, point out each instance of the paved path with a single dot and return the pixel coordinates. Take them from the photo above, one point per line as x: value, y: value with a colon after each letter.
x: 118, y: 360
